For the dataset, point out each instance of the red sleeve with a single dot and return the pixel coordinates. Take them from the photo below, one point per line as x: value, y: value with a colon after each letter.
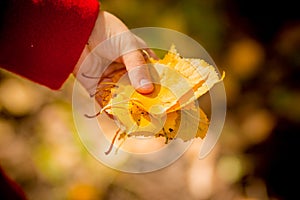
x: 42, y: 40
x: 9, y: 189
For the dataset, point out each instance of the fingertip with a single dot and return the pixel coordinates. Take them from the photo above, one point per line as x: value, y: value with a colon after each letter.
x: 145, y: 86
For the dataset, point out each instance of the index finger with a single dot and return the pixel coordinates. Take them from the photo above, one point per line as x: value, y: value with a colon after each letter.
x: 138, y: 71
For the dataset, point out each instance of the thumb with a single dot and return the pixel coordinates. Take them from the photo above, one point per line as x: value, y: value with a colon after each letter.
x: 138, y: 72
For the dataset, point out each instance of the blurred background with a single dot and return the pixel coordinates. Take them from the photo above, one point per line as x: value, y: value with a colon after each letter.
x: 255, y: 42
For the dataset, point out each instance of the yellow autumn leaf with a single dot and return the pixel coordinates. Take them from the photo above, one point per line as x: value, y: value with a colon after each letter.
x: 200, y: 75
x: 182, y: 124
x: 169, y: 111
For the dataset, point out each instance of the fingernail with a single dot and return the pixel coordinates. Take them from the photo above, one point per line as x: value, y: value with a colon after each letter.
x: 145, y: 86
x: 144, y: 82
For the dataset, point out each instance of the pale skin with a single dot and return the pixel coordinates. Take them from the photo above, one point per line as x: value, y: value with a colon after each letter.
x: 108, y: 25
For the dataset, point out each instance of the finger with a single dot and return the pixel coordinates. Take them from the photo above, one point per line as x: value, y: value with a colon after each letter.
x: 149, y: 53
x: 138, y: 72
x: 144, y: 46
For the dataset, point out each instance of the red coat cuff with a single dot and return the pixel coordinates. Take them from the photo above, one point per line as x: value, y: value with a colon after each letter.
x: 42, y: 40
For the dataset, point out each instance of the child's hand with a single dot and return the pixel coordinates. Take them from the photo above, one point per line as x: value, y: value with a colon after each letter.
x: 111, y: 42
